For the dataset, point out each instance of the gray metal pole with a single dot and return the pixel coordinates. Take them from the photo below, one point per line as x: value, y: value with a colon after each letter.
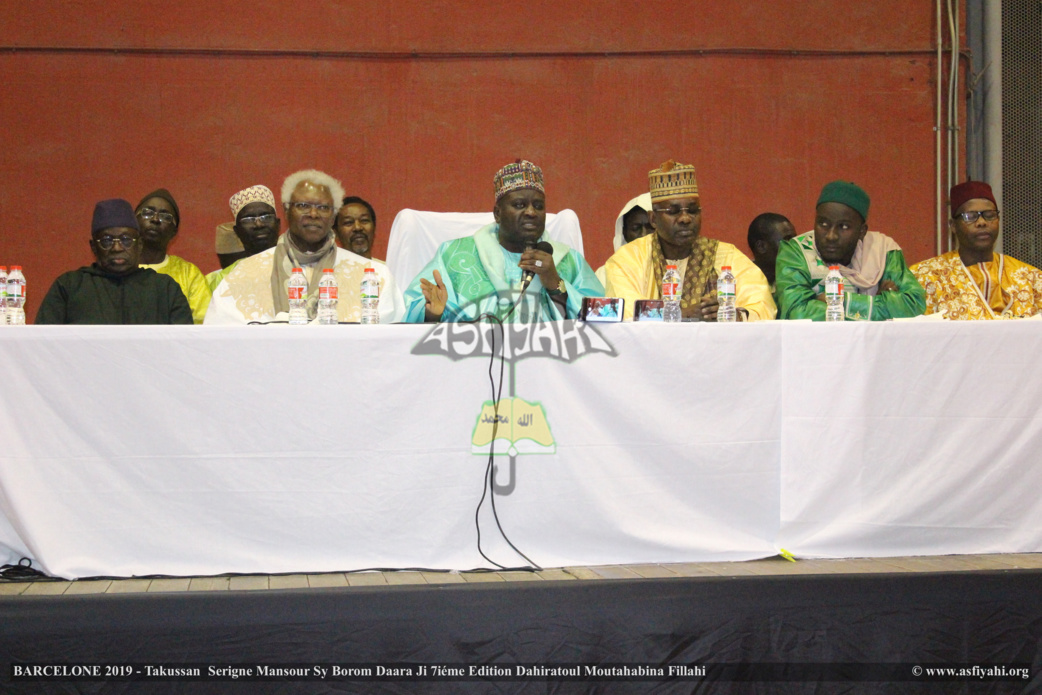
x: 991, y: 91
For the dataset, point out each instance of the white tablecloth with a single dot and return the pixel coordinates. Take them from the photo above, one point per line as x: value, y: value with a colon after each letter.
x: 912, y: 439
x: 199, y: 450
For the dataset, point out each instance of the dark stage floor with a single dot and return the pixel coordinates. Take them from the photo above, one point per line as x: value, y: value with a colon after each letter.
x: 769, y: 626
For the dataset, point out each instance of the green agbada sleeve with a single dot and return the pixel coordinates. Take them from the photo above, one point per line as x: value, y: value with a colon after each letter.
x: 909, y: 299
x: 797, y: 291
x: 794, y: 285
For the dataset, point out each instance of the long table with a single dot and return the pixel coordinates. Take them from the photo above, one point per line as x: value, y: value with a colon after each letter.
x: 199, y: 450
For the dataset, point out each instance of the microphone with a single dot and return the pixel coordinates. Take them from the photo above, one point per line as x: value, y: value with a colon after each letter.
x: 526, y: 279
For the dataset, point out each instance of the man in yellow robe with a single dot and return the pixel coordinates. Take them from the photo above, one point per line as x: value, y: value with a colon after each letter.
x: 973, y: 282
x: 159, y: 219
x: 635, y: 270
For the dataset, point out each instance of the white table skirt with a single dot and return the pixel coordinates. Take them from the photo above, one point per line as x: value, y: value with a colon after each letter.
x: 199, y: 450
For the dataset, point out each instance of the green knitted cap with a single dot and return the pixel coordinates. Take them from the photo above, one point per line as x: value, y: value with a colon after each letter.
x: 850, y: 194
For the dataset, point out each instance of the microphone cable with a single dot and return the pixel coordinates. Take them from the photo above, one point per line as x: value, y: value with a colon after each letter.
x: 24, y: 571
x: 488, y: 480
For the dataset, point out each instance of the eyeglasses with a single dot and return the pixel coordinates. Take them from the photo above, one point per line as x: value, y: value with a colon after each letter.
x: 970, y: 216
x: 149, y: 213
x: 107, y: 242
x: 677, y: 211
x: 305, y: 208
x: 258, y: 219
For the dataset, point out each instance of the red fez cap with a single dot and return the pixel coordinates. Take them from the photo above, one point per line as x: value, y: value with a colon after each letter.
x: 968, y: 191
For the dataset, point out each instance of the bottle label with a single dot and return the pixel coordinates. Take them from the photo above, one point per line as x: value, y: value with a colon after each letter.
x: 725, y: 289
x: 327, y: 292
x: 370, y: 289
x: 15, y: 290
x: 296, y: 293
x: 669, y: 290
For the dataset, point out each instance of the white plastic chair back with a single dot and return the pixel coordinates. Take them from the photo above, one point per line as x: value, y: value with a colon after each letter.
x: 417, y: 234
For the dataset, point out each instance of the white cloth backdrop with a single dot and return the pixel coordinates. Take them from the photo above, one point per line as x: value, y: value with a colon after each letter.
x: 416, y: 234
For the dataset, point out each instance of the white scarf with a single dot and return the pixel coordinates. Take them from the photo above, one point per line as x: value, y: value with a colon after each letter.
x: 868, y: 262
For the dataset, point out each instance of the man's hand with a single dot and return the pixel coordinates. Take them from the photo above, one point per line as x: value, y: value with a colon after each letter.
x: 542, y: 264
x: 705, y: 310
x: 709, y: 306
x: 435, y: 296
x: 888, y: 286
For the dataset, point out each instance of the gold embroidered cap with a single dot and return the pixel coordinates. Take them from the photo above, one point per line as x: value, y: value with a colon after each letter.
x: 519, y: 174
x: 673, y: 180
x: 253, y: 194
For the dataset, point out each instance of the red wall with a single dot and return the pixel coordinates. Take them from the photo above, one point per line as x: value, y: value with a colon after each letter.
x: 416, y: 104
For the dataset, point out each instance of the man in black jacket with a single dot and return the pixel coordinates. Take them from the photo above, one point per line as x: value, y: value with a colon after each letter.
x: 114, y: 290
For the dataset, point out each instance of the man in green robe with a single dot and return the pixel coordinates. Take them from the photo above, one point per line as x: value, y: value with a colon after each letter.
x: 114, y: 290
x: 876, y: 281
x: 485, y: 273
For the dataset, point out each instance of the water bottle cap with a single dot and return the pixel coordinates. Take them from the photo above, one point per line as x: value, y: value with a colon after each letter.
x: 3, y: 269
x: 833, y: 267
x: 327, y: 271
x: 298, y: 270
x: 16, y: 267
x: 671, y: 266
x: 370, y: 270
x: 725, y: 267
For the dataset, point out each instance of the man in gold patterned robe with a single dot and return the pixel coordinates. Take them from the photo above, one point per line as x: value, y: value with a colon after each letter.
x: 635, y: 270
x: 973, y: 282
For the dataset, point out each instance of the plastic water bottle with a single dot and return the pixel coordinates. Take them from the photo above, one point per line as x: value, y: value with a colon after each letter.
x: 671, y: 295
x: 370, y: 293
x: 16, y: 297
x: 725, y: 286
x: 298, y: 298
x: 3, y: 295
x: 327, y: 299
x: 834, y: 295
